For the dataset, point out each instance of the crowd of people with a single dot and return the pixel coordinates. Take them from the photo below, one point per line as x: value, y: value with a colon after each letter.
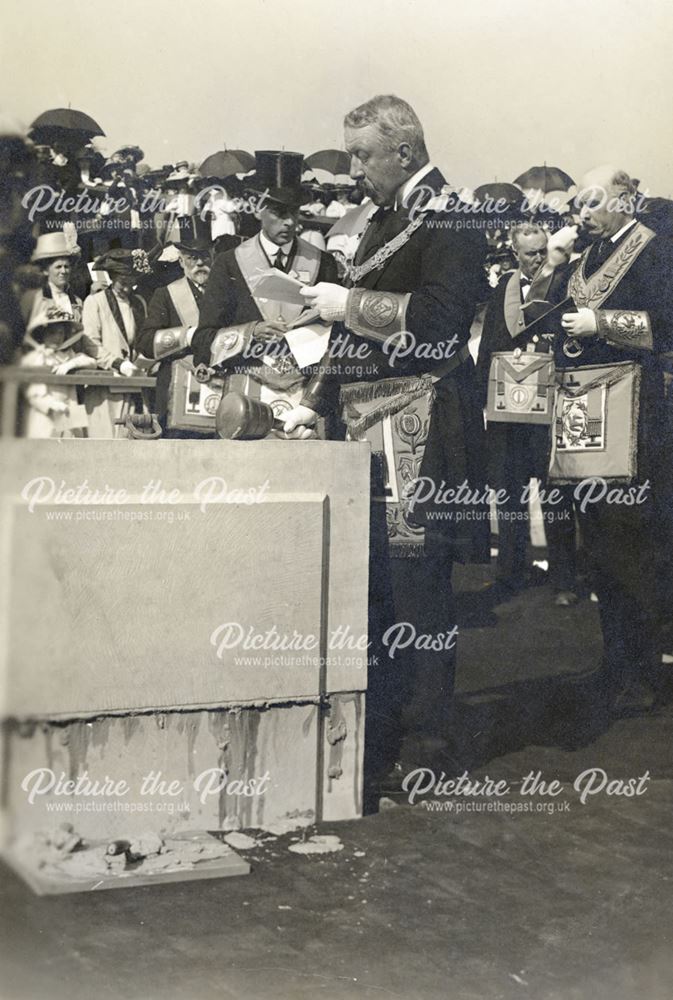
x: 400, y: 282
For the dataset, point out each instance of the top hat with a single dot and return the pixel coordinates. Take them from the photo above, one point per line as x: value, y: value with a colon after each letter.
x: 52, y: 245
x: 194, y: 245
x: 278, y: 176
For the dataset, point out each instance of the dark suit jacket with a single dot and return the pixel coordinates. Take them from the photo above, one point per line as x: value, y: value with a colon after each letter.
x: 442, y: 266
x: 227, y: 300
x: 514, y: 452
x: 647, y: 286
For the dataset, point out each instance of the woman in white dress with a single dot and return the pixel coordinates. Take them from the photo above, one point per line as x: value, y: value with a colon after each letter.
x: 53, y: 341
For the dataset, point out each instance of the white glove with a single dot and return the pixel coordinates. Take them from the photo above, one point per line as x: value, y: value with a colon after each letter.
x: 580, y: 324
x: 128, y: 368
x: 300, y: 422
x: 57, y: 406
x: 63, y: 368
x: 560, y: 245
x: 328, y: 299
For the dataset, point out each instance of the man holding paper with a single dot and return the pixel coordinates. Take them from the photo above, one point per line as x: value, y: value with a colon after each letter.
x: 621, y: 289
x: 414, y: 285
x: 253, y: 299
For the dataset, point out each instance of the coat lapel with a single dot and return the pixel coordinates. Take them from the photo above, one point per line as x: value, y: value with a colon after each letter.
x: 386, y: 224
x: 514, y: 320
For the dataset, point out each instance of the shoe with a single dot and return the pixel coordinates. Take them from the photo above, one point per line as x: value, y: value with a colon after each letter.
x: 503, y: 590
x: 588, y: 689
x: 661, y: 680
x: 565, y: 599
x: 637, y: 698
x: 537, y: 576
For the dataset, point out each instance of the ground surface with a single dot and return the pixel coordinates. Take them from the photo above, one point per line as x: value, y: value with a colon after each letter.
x: 421, y: 903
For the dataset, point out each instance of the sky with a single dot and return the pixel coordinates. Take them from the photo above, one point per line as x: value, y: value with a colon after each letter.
x: 499, y: 85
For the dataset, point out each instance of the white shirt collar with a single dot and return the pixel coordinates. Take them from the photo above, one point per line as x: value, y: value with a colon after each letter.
x: 631, y: 222
x: 58, y: 293
x: 271, y: 249
x: 411, y: 184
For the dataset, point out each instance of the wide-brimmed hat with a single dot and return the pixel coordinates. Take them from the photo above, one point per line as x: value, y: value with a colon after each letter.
x: 130, y: 154
x: 113, y: 166
x: 51, y: 245
x: 194, y: 245
x: 51, y: 315
x: 121, y: 263
x: 181, y: 172
x: 278, y: 176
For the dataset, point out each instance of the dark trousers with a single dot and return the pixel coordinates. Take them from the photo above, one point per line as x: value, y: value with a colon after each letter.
x: 560, y: 528
x: 620, y: 548
x: 423, y: 598
x: 664, y: 550
x: 412, y: 690
x: 517, y: 454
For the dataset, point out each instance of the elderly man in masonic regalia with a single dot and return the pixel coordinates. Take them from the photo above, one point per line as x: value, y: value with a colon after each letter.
x: 414, y: 286
x: 622, y: 290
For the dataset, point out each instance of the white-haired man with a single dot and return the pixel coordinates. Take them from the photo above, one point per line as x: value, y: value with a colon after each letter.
x: 518, y: 452
x: 413, y: 289
x: 172, y: 318
x: 622, y: 288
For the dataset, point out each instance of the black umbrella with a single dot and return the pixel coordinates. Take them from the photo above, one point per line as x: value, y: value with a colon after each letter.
x: 227, y: 162
x: 60, y: 120
x: 545, y: 179
x: 499, y: 191
x: 335, y: 161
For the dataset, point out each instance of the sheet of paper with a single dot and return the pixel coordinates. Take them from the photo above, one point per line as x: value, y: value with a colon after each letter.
x: 279, y: 287
x: 309, y: 343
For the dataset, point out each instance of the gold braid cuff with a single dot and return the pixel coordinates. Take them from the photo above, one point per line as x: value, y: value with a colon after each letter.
x: 625, y: 328
x: 170, y: 341
x: 231, y: 341
x: 379, y: 316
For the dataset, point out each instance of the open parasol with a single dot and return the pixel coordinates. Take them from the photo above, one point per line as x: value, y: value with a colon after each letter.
x: 545, y: 179
x: 227, y: 162
x: 59, y: 123
x: 498, y: 191
x: 334, y: 161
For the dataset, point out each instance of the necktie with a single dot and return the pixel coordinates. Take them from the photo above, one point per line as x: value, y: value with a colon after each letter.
x: 279, y: 261
x: 598, y: 254
x: 373, y: 235
x: 604, y: 248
